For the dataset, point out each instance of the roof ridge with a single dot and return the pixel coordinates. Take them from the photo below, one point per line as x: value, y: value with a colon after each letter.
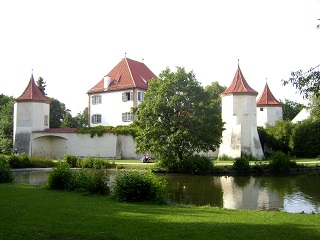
x: 130, y: 71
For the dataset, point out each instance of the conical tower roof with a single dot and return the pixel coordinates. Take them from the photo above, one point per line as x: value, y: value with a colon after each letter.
x: 267, y: 98
x: 239, y: 85
x: 127, y: 74
x: 32, y: 94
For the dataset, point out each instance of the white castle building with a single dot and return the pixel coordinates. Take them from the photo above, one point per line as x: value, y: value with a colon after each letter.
x: 110, y: 101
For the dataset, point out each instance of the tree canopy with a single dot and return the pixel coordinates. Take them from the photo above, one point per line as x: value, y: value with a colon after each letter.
x: 177, y: 119
x: 42, y: 85
x: 290, y: 109
x: 6, y: 123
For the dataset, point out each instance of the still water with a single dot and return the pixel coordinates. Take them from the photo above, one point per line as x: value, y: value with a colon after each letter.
x: 294, y: 193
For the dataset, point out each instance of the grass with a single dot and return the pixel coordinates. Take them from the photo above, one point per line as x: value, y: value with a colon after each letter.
x: 29, y: 212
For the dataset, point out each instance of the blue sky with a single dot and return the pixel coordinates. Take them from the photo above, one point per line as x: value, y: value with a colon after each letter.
x: 73, y: 44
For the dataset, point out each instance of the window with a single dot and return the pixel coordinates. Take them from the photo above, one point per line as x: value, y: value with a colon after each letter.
x: 261, y: 109
x: 127, y: 117
x: 127, y: 96
x: 96, y: 99
x: 140, y: 96
x: 46, y: 120
x: 96, y: 118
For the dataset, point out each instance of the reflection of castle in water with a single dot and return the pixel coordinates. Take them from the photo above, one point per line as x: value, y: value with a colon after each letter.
x: 248, y: 193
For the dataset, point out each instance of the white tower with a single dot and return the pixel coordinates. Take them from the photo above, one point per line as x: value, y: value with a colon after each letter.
x: 269, y: 109
x: 239, y: 114
x: 31, y: 113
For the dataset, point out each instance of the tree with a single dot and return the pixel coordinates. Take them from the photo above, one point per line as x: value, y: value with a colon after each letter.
x: 215, y: 91
x: 81, y: 119
x: 307, y: 83
x: 58, y: 112
x: 177, y: 119
x: 6, y: 123
x: 42, y: 85
x: 290, y: 109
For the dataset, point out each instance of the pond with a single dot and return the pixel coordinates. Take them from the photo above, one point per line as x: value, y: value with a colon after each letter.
x: 294, y: 193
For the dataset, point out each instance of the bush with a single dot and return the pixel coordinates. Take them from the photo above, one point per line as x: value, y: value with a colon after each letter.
x: 242, y: 164
x: 93, y: 182
x: 41, y: 162
x: 280, y: 162
x: 196, y: 164
x: 73, y: 161
x: 96, y: 163
x: 61, y: 177
x: 139, y: 187
x: 19, y: 161
x: 6, y: 174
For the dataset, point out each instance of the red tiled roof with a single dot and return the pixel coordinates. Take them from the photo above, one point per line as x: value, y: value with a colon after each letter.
x: 267, y: 98
x: 126, y: 74
x: 239, y: 85
x: 32, y: 94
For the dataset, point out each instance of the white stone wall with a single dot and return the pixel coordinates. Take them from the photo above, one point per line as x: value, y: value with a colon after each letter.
x: 82, y: 145
x: 269, y: 115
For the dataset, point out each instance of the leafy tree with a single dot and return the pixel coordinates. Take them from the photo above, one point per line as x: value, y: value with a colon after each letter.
x: 307, y: 83
x: 177, y: 119
x: 42, y: 85
x: 6, y: 123
x: 290, y: 109
x: 81, y: 119
x: 315, y: 108
x: 215, y: 90
x: 67, y: 121
x: 306, y: 139
x: 58, y: 113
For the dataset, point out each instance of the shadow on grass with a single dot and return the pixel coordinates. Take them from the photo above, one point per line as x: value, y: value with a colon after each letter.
x: 35, y: 213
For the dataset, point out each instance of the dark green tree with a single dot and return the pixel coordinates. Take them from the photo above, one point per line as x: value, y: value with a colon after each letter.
x: 42, y: 85
x: 6, y: 123
x: 58, y: 113
x: 290, y: 109
x: 68, y: 121
x: 177, y: 119
x: 215, y: 90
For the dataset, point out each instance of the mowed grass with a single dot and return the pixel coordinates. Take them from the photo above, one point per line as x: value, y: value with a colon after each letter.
x: 29, y: 212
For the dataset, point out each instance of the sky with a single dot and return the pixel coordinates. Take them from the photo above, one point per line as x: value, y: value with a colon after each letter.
x: 73, y: 44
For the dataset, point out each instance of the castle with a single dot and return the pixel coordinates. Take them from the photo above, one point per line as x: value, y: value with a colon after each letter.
x: 110, y: 101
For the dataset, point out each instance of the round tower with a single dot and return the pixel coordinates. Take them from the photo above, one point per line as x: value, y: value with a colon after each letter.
x: 269, y: 109
x: 31, y: 113
x: 239, y: 115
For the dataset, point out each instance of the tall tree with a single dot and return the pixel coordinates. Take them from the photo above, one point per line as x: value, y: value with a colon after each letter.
x: 58, y: 112
x: 42, y: 85
x: 177, y: 119
x: 6, y: 123
x: 290, y: 109
x: 215, y: 90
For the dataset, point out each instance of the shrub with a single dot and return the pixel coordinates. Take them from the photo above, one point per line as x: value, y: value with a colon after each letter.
x: 61, y: 177
x: 242, y: 164
x: 19, y: 161
x: 6, y: 174
x: 225, y: 157
x: 73, y: 161
x: 96, y: 163
x: 196, y: 164
x: 93, y: 182
x: 139, y: 187
x: 41, y: 162
x: 280, y: 162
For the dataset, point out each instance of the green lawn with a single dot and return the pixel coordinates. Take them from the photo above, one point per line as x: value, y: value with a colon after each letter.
x: 29, y: 212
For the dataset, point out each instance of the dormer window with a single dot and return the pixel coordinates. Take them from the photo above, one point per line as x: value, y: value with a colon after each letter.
x: 127, y: 96
x: 145, y: 81
x: 96, y: 99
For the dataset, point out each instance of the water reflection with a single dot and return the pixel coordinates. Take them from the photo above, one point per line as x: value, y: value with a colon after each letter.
x: 295, y: 193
